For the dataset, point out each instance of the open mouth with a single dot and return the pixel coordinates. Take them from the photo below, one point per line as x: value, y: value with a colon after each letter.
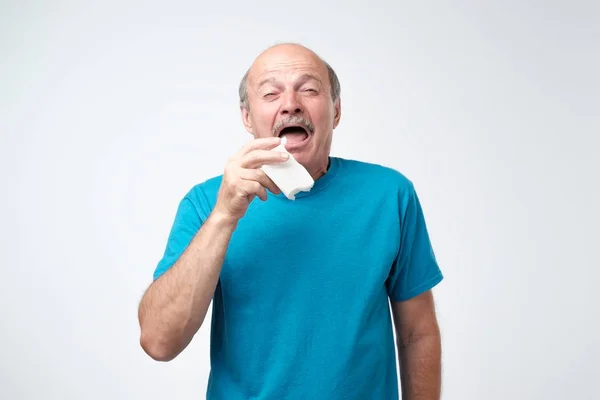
x: 294, y: 134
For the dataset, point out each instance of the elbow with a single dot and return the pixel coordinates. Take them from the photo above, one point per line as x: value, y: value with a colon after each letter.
x: 156, y: 348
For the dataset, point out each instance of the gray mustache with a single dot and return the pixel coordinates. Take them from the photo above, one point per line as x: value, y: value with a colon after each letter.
x: 294, y: 120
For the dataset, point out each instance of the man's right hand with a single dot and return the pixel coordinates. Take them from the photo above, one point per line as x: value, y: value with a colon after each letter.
x: 243, y: 179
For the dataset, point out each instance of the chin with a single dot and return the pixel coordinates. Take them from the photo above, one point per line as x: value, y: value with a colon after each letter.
x: 305, y: 160
x: 301, y: 157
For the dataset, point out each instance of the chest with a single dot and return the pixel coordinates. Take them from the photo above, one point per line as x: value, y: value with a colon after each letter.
x: 284, y: 250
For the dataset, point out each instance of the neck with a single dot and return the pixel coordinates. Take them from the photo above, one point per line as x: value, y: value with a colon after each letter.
x: 322, y: 170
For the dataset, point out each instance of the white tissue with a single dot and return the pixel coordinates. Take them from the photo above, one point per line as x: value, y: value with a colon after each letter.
x: 290, y: 176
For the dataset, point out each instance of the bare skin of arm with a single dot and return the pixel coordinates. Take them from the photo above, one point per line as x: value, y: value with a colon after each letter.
x: 175, y: 305
x: 419, y: 347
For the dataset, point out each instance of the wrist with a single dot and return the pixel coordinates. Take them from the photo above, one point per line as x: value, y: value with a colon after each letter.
x: 222, y: 220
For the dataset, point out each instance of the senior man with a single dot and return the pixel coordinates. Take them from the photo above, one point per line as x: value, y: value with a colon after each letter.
x: 301, y: 289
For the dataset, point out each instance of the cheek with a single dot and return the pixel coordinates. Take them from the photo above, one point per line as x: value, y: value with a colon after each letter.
x: 263, y: 124
x: 324, y: 119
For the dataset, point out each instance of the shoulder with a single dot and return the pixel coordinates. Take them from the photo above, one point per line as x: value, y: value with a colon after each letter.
x: 202, y: 196
x: 374, y: 175
x: 208, y: 187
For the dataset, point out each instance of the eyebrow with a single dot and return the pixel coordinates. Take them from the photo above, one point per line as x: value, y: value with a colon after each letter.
x: 302, y: 79
x: 306, y: 77
x: 265, y: 81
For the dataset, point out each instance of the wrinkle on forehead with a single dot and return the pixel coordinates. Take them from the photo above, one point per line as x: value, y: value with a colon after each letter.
x: 291, y: 71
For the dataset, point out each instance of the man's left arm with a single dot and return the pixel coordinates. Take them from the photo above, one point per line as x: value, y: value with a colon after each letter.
x: 419, y: 347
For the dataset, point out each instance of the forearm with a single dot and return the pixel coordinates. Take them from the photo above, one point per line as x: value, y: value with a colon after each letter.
x: 420, y: 367
x: 175, y: 305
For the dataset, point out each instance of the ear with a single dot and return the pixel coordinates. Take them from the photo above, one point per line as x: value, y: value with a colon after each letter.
x: 246, y: 120
x: 337, y: 107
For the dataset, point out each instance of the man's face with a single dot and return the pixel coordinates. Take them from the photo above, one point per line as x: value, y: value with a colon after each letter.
x: 290, y: 95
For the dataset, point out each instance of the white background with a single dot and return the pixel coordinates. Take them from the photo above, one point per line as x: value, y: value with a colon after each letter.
x: 111, y: 111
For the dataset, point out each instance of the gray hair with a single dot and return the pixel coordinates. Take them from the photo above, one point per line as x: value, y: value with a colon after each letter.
x: 333, y: 82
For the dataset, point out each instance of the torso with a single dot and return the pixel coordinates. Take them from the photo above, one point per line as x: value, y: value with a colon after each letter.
x: 301, y: 309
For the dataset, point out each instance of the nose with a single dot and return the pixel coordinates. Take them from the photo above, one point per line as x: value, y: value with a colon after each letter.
x: 291, y: 104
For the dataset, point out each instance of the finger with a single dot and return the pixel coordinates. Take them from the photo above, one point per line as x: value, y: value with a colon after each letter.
x: 253, y: 188
x: 258, y: 158
x: 268, y: 143
x: 259, y: 176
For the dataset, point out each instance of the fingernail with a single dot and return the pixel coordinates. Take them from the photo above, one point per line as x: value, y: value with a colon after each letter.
x: 285, y: 156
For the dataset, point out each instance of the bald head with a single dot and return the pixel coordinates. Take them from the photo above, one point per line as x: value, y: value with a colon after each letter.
x: 280, y: 54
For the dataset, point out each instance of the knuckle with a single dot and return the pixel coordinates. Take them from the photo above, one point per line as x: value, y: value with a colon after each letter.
x: 231, y: 161
x: 256, y: 156
x: 229, y: 168
x: 259, y: 175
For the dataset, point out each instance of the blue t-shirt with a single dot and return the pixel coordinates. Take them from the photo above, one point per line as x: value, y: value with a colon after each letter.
x: 301, y: 309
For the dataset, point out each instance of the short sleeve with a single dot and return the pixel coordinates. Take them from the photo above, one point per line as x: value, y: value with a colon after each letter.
x: 415, y: 269
x: 185, y: 226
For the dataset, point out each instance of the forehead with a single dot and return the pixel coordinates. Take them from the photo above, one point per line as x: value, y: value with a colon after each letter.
x: 287, y: 63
